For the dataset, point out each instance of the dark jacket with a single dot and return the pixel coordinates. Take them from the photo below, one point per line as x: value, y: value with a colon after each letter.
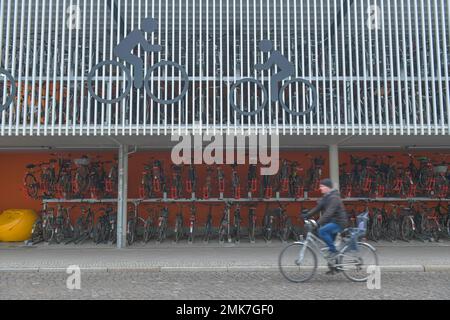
x: 332, y: 210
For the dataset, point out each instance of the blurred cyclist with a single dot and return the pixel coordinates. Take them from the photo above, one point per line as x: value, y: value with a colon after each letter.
x: 334, y: 218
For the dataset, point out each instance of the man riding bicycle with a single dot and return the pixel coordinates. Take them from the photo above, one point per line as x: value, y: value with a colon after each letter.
x: 334, y: 218
x: 124, y: 49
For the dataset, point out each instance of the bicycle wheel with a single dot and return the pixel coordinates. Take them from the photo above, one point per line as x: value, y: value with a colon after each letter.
x: 407, y: 229
x: 98, y: 233
x: 31, y: 186
x: 447, y: 227
x: 36, y: 232
x: 376, y: 229
x: 297, y: 262
x: 258, y: 109
x: 148, y: 230
x: 13, y: 91
x: 91, y: 76
x: 222, y: 233
x: 130, y: 232
x: 59, y: 235
x: 82, y: 182
x: 184, y: 77
x: 48, y: 232
x: 355, y: 263
x: 312, y: 97
x: 252, y: 232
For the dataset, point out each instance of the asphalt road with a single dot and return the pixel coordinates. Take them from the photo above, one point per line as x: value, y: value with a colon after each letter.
x: 218, y: 285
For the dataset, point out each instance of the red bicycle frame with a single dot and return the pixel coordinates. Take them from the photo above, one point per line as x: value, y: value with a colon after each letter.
x: 253, y: 185
x: 285, y: 184
x: 269, y: 192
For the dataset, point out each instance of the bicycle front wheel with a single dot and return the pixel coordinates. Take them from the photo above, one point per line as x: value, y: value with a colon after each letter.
x: 303, y: 92
x: 180, y: 83
x: 355, y: 263
x: 31, y: 186
x: 297, y: 262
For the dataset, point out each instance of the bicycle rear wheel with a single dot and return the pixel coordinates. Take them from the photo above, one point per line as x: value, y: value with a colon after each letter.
x: 181, y: 84
x: 31, y: 186
x: 297, y: 262
x: 355, y: 263
x: 311, y: 97
x: 131, y: 232
x: 13, y: 91
x: 407, y: 229
x: 36, y: 232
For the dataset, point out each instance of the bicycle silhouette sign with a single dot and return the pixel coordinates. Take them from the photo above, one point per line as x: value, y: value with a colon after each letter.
x: 137, y: 37
x: 287, y: 69
x: 124, y: 51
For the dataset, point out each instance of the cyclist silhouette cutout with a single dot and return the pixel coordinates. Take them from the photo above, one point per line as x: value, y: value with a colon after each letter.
x: 275, y: 59
x: 287, y: 70
x: 124, y: 49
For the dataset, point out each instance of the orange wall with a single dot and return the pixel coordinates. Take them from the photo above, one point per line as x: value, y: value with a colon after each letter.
x: 12, y: 169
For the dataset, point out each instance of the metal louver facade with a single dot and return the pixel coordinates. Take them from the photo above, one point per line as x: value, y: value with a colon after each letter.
x: 379, y: 67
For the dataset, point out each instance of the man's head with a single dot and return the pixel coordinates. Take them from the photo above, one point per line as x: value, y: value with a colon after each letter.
x: 326, y: 185
x: 149, y: 25
x: 265, y: 45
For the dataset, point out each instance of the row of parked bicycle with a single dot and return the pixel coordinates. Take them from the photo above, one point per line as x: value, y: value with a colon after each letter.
x: 92, y: 178
x: 291, y: 179
x: 388, y: 176
x: 60, y: 177
x: 415, y: 221
x: 391, y: 222
x: 378, y: 176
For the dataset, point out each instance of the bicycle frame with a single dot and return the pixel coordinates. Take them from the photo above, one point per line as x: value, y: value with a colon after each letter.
x: 319, y: 246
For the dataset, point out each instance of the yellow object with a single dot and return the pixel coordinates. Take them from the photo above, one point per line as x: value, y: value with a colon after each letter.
x: 16, y: 224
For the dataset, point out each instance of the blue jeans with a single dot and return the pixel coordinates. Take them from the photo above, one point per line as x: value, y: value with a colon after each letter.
x: 328, y: 233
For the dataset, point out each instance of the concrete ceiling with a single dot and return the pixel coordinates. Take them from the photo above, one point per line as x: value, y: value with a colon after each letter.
x: 164, y: 142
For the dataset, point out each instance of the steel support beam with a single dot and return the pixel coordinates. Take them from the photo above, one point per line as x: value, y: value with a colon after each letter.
x: 334, y: 164
x: 122, y: 197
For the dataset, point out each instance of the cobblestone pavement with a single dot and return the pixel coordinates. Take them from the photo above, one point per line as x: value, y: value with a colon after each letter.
x: 218, y: 285
x: 197, y: 255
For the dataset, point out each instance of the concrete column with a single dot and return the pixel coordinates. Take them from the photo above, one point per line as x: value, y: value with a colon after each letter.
x: 122, y: 197
x: 334, y: 164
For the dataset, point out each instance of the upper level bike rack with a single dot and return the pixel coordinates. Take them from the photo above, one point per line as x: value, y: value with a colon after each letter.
x: 215, y: 200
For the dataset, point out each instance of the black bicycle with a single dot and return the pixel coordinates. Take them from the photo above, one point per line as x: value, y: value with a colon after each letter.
x: 252, y: 223
x: 208, y: 226
x: 163, y: 219
x: 192, y: 222
x: 237, y: 224
x: 179, y: 226
x: 224, y: 229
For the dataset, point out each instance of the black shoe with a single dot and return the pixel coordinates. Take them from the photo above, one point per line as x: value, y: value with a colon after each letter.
x: 330, y: 272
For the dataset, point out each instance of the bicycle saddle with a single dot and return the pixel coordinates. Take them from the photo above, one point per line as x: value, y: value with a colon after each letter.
x: 31, y: 166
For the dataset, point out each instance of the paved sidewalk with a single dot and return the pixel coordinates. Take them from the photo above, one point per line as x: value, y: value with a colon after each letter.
x: 420, y: 257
